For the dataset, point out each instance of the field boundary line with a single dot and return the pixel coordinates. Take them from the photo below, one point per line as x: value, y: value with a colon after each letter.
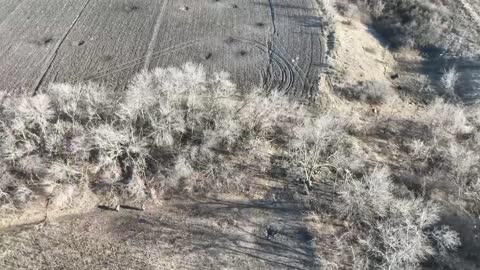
x: 153, y: 39
x: 57, y: 47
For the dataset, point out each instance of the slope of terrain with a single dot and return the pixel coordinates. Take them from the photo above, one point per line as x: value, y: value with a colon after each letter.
x: 181, y: 233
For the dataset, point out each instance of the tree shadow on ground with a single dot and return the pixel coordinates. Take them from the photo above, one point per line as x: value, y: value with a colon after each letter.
x: 401, y: 130
x: 227, y: 230
x: 468, y: 227
x: 467, y: 88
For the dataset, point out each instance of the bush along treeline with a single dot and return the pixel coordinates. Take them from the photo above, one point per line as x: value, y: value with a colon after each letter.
x: 185, y: 131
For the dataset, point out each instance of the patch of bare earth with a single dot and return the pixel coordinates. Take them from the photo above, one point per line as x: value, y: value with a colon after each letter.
x: 358, y: 55
x: 228, y: 232
x: 67, y: 200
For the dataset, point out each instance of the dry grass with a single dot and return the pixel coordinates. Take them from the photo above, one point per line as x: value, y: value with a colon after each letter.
x: 371, y: 92
x: 409, y: 23
x: 392, y: 232
x: 449, y: 79
x: 182, y: 130
x: 174, y: 128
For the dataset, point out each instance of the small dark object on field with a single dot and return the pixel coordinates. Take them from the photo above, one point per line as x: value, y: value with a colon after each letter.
x: 185, y: 8
x: 106, y: 58
x: 242, y: 53
x: 234, y: 6
x: 208, y: 56
x: 230, y: 40
x: 131, y: 8
x: 394, y: 76
x: 47, y: 40
x: 271, y: 232
x: 43, y: 41
x: 78, y: 43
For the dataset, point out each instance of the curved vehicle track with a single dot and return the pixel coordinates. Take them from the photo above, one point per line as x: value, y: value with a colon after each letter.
x: 186, y: 234
x: 267, y: 43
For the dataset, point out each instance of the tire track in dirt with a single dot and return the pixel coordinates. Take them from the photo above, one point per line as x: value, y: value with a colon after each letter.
x: 89, y: 49
x: 153, y: 40
x: 272, y: 14
x: 287, y: 73
x: 310, y: 86
x: 57, y: 47
x: 146, y: 34
x: 185, y: 233
x: 302, y: 65
x: 137, y: 61
x: 278, y: 62
x: 267, y: 74
x: 299, y: 72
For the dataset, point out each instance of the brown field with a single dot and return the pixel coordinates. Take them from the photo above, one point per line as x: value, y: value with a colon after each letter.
x: 274, y: 45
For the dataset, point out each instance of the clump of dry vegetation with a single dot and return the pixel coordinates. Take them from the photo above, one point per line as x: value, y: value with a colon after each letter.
x: 173, y: 129
x: 171, y: 124
x: 415, y: 201
x: 423, y: 178
x: 393, y: 232
x: 449, y: 80
x: 395, y: 207
x: 405, y: 23
x: 182, y: 130
x: 371, y: 92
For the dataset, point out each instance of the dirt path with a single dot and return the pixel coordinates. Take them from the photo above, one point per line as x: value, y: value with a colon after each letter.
x: 267, y: 43
x: 183, y: 234
x: 271, y: 231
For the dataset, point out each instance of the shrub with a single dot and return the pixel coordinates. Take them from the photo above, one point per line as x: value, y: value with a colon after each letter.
x: 404, y: 22
x: 354, y: 8
x: 181, y: 129
x: 449, y: 159
x: 82, y: 103
x: 463, y: 165
x: 171, y: 124
x: 367, y: 199
x: 328, y: 12
x: 393, y: 233
x: 24, y: 125
x: 446, y: 120
x: 377, y: 7
x: 448, y: 80
x: 319, y: 143
x: 372, y: 92
x: 420, y: 150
